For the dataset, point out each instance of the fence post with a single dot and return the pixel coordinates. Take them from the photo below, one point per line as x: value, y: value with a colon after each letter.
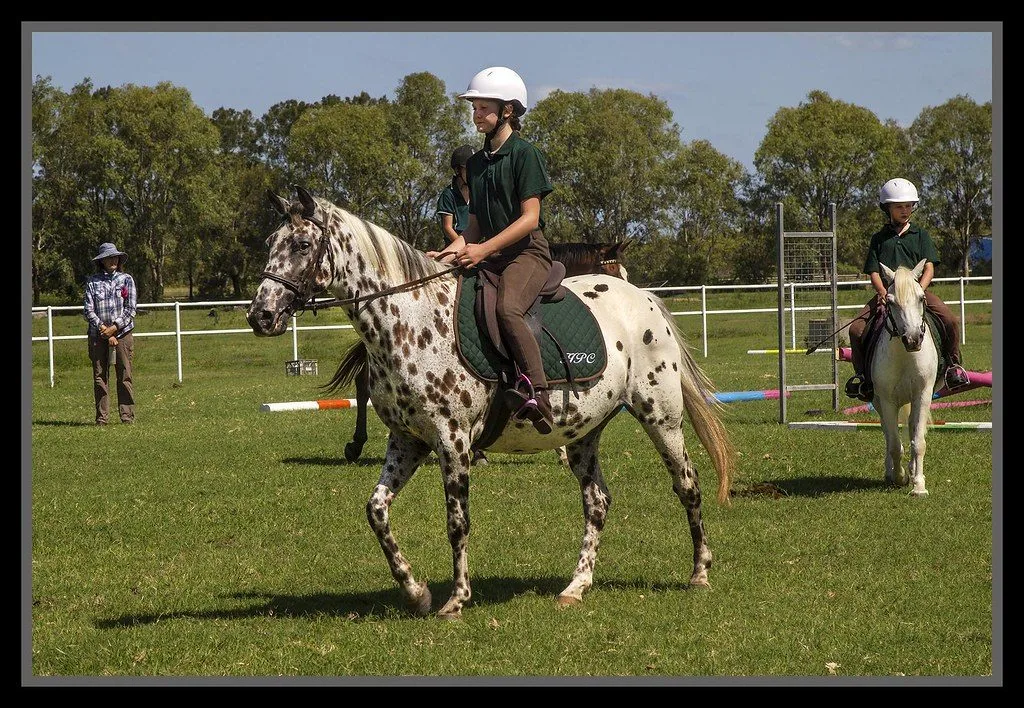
x: 49, y: 338
x: 792, y: 313
x: 177, y: 334
x: 704, y: 317
x: 963, y: 314
x: 295, y: 338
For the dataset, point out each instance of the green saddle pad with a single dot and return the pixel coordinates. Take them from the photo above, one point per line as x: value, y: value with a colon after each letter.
x: 569, y: 319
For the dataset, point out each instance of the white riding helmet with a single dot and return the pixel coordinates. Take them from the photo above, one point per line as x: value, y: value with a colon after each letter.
x: 500, y: 83
x: 897, y: 190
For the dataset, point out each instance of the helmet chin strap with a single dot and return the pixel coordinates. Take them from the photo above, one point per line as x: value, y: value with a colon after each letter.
x: 502, y: 120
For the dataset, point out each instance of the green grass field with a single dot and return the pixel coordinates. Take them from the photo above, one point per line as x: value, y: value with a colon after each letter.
x: 211, y: 540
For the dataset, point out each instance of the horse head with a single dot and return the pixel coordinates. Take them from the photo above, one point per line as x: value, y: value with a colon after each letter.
x: 297, y: 268
x: 905, y: 304
x: 611, y: 259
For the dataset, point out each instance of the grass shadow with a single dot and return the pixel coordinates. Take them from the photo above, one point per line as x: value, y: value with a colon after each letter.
x: 374, y: 605
x: 809, y: 487
x: 62, y: 423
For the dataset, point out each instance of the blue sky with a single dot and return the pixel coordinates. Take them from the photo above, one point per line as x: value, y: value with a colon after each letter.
x: 723, y: 82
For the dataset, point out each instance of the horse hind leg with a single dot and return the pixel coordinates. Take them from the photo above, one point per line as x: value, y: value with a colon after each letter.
x: 354, y: 448
x: 667, y: 435
x: 582, y: 460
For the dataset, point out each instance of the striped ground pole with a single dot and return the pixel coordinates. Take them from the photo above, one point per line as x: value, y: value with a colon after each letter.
x: 847, y: 425
x: 868, y: 407
x: 321, y: 405
x: 734, y: 396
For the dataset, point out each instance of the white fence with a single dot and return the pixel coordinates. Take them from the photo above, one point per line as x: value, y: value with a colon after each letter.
x: 703, y: 312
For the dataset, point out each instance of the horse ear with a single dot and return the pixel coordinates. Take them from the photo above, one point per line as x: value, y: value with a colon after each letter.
x: 622, y: 246
x: 279, y: 203
x: 919, y: 268
x: 308, y: 203
x: 887, y: 273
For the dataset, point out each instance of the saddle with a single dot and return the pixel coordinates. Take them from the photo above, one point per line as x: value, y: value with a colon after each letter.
x: 575, y: 356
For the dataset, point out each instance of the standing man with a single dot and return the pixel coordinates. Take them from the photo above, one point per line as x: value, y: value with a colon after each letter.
x: 110, y: 299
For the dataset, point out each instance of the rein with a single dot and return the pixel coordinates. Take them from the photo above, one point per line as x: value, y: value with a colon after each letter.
x: 308, y: 301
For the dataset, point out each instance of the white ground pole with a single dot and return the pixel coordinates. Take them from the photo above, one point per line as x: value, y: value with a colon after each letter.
x: 321, y: 405
x: 846, y: 425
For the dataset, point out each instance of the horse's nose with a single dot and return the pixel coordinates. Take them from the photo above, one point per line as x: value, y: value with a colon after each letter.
x: 912, y: 342
x: 259, y: 319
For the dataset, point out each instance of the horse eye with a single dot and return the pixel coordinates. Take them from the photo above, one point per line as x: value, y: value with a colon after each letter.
x: 304, y: 246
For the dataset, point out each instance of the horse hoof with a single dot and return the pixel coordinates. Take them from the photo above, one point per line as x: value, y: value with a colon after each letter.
x: 450, y: 616
x: 919, y: 493
x: 352, y: 451
x: 419, y: 604
x: 699, y: 583
x: 567, y: 600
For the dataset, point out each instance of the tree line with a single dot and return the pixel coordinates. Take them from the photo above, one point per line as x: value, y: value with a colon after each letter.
x: 184, y: 193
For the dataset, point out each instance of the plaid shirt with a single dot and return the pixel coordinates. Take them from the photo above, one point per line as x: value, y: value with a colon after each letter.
x: 110, y: 299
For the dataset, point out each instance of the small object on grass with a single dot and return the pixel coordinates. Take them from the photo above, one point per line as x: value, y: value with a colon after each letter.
x: 814, y: 411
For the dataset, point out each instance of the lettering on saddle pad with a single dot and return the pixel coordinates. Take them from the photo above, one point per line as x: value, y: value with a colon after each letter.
x: 571, y: 344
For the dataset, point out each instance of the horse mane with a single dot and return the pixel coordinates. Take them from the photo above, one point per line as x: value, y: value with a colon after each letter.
x: 904, y: 284
x: 577, y: 257
x: 391, y: 257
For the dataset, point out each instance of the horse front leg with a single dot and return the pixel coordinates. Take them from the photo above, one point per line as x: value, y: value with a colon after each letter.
x: 584, y: 464
x: 889, y: 414
x: 918, y: 424
x: 362, y: 380
x: 455, y: 462
x: 403, y: 457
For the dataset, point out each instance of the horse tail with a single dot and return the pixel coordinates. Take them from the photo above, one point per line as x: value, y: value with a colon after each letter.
x: 703, y: 409
x: 352, y: 363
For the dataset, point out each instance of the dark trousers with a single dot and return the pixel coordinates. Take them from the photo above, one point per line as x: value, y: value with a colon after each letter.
x: 99, y: 355
x: 950, y: 326
x: 520, y: 284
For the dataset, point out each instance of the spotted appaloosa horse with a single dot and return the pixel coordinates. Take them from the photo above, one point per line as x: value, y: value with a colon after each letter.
x: 904, y: 370
x: 578, y: 258
x: 403, y: 306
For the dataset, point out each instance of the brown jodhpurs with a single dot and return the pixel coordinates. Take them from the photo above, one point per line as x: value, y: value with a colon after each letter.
x: 950, y: 326
x: 99, y: 355
x: 523, y: 274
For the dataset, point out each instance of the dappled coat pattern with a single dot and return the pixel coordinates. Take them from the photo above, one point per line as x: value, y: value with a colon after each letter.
x: 430, y: 403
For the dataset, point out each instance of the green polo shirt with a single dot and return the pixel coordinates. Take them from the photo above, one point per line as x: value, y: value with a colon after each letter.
x: 450, y: 202
x: 498, y: 182
x: 895, y: 251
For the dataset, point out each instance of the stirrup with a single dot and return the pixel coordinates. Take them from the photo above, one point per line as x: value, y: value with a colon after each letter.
x: 854, y: 385
x: 956, y: 377
x: 519, y: 401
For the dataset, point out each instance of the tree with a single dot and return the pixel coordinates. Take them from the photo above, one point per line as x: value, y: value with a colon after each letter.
x: 240, y: 132
x: 703, y: 211
x: 826, y: 151
x: 607, y: 153
x: 426, y: 125
x: 166, y: 175
x: 952, y: 153
x: 73, y: 173
x: 338, y: 151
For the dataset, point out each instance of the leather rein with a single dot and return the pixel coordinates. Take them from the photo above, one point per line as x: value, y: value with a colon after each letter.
x: 304, y: 288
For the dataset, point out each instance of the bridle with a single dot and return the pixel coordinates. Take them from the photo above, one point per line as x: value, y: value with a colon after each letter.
x: 304, y: 287
x: 892, y: 328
